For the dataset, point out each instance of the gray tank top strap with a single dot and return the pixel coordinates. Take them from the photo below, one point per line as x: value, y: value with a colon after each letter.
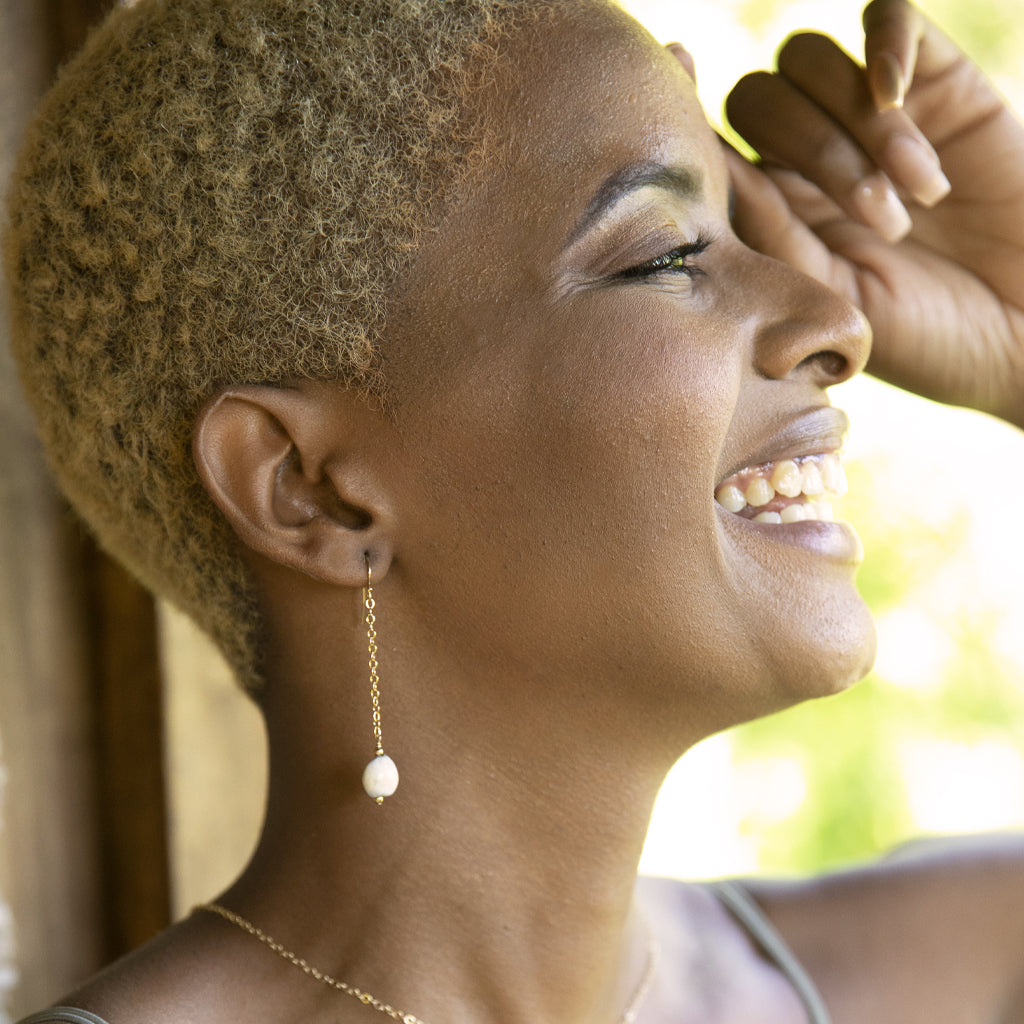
x: 742, y: 906
x: 63, y: 1015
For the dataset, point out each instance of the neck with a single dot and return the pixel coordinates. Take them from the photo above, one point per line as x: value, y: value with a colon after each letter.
x: 496, y: 884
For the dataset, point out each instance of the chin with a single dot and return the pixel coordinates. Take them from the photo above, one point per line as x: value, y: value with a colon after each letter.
x: 794, y: 597
x: 815, y: 646
x: 830, y: 650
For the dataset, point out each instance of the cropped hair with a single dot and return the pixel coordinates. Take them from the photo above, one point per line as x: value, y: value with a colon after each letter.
x: 221, y: 192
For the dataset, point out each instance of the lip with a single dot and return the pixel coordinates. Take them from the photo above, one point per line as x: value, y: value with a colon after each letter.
x: 817, y: 432
x: 836, y: 541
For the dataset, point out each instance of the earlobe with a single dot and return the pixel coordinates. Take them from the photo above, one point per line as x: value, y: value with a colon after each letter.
x: 289, y: 470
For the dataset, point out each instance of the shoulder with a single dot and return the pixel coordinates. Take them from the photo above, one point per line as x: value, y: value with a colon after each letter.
x: 934, y: 931
x: 186, y: 975
x: 202, y: 971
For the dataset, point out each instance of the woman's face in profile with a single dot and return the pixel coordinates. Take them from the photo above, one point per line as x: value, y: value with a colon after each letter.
x: 585, y: 355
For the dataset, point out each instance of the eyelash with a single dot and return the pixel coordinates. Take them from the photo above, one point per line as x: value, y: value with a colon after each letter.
x: 674, y: 262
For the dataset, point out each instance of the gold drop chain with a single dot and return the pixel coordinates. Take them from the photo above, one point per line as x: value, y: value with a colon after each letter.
x: 350, y: 990
x: 371, y: 636
x: 628, y: 1017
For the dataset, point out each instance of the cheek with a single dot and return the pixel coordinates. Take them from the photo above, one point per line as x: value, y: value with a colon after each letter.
x: 600, y: 484
x: 633, y: 409
x: 578, y: 458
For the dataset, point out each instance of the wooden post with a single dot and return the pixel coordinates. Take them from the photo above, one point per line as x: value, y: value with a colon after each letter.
x: 83, y: 871
x: 127, y: 697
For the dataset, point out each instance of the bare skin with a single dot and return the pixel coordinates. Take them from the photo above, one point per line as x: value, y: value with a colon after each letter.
x: 562, y: 607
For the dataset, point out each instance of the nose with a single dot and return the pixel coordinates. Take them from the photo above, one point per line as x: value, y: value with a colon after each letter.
x: 806, y: 330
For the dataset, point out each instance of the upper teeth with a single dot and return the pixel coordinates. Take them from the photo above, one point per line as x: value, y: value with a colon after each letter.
x: 814, y: 476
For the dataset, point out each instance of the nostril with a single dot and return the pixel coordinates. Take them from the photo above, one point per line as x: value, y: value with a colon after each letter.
x: 832, y: 366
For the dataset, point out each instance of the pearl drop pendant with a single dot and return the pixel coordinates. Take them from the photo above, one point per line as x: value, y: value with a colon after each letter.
x: 380, y: 778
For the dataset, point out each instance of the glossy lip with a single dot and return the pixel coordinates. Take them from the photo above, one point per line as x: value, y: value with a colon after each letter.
x: 836, y: 541
x: 818, y: 432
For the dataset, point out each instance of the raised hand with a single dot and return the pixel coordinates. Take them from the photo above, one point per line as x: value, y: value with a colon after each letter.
x: 901, y: 185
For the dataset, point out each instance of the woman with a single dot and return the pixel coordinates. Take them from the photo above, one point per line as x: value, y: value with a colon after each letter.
x: 522, y: 463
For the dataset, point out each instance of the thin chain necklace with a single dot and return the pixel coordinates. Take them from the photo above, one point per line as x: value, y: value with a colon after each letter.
x: 628, y: 1017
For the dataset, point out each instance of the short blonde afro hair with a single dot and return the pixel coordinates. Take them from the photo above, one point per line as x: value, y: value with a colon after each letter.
x: 222, y: 192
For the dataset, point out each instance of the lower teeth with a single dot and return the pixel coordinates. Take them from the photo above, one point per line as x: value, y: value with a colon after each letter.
x: 819, y: 510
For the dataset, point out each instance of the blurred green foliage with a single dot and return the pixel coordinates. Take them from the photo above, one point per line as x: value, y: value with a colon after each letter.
x: 852, y: 749
x: 758, y: 15
x: 849, y: 746
x: 990, y: 31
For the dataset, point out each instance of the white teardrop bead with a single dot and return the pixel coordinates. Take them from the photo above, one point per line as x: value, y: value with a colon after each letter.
x: 380, y: 777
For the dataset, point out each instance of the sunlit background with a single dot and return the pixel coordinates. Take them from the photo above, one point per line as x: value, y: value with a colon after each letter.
x: 933, y: 742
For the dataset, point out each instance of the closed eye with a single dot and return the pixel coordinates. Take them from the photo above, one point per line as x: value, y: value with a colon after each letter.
x: 681, y: 260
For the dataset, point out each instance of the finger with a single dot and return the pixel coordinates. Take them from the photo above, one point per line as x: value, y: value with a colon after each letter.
x: 763, y: 220
x: 766, y: 219
x: 685, y: 58
x: 892, y: 32
x: 901, y: 45
x: 892, y: 140
x: 788, y: 128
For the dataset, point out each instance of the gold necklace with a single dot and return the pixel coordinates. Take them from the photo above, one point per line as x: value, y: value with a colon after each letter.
x: 628, y: 1017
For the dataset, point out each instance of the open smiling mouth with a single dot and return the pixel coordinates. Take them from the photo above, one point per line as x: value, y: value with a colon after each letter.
x: 788, y: 491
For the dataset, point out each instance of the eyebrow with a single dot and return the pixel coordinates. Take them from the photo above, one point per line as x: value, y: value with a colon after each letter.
x: 683, y: 181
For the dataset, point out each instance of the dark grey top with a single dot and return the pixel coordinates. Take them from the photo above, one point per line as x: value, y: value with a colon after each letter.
x: 65, y: 1015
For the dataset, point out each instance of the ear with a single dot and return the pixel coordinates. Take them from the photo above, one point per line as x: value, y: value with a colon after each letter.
x: 292, y: 469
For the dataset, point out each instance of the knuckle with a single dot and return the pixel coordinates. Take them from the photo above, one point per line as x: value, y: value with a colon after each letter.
x: 754, y: 80
x: 750, y: 89
x: 881, y: 13
x: 805, y: 51
x: 831, y: 156
x: 749, y: 98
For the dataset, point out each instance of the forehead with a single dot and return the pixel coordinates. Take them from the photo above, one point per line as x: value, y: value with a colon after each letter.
x: 578, y: 99
x: 581, y: 104
x: 586, y: 94
x: 587, y: 78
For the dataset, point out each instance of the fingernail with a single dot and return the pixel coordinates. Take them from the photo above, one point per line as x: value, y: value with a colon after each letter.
x: 885, y: 80
x: 916, y: 166
x: 877, y: 202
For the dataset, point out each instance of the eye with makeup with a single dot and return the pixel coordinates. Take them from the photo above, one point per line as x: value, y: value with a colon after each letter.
x: 680, y: 260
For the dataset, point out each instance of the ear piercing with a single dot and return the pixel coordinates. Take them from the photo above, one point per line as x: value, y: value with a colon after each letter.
x: 380, y: 777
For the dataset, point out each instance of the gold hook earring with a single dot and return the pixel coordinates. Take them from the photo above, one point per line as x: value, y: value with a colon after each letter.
x: 380, y: 777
